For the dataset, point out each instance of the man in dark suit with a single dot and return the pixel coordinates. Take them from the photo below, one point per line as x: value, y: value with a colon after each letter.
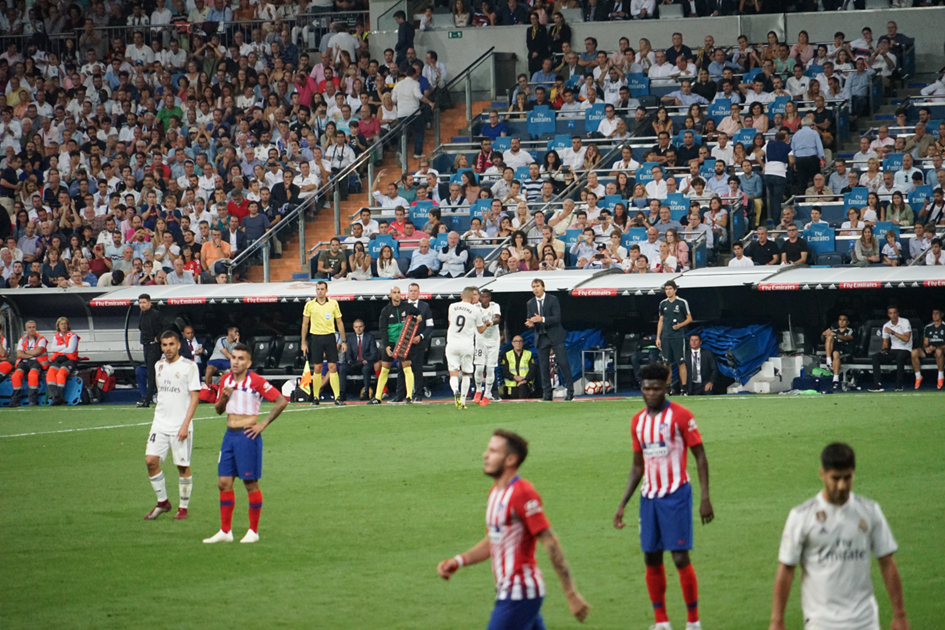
x: 418, y: 352
x: 361, y: 354
x: 702, y: 368
x: 545, y: 317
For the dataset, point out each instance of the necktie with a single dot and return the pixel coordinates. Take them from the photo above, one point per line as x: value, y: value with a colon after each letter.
x: 360, y: 355
x: 697, y: 364
x: 540, y: 307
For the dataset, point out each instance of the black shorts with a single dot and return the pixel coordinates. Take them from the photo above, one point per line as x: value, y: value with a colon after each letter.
x: 322, y: 348
x: 844, y: 349
x: 930, y: 353
x: 63, y: 362
x: 673, y: 350
x: 385, y: 357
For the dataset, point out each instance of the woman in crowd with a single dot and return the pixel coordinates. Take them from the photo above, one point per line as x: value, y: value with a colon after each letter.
x: 663, y: 123
x: 387, y: 266
x: 519, y: 109
x: 359, y: 262
x: 559, y: 33
x: 898, y: 212
x: 550, y: 260
x: 528, y: 260
x: 639, y: 198
x: 469, y: 188
x: 621, y: 219
x: 536, y: 41
x: 592, y: 156
x: 501, y: 265
x: 645, y: 56
x: 678, y: 248
x: 853, y: 224
x: 191, y: 261
x: 866, y: 250
x: 759, y: 117
x: 551, y: 167
x: 716, y: 217
x: 698, y: 118
x: 617, y: 251
x: 802, y: 51
x: 667, y: 262
x: 461, y: 16
x: 872, y: 179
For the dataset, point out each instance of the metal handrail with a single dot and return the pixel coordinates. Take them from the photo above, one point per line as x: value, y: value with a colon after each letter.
x: 464, y: 75
x: 300, y: 209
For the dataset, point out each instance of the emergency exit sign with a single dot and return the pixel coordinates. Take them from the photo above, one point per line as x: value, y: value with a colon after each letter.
x: 455, y: 35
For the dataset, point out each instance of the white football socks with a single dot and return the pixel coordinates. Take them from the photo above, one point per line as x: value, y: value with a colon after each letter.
x: 160, y: 486
x: 478, y: 375
x: 454, y: 384
x: 464, y: 389
x: 490, y: 381
x: 186, y: 484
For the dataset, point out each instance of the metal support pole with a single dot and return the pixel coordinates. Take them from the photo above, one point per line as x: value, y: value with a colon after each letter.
x: 492, y: 75
x: 265, y: 260
x: 469, y: 100
x: 436, y: 127
x: 302, y: 257
x: 403, y: 150
x: 370, y: 171
x: 337, y: 210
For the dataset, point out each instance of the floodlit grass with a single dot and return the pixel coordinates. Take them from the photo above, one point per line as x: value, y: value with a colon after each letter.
x: 361, y: 503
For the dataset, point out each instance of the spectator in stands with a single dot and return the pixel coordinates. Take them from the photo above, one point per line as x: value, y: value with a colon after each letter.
x: 794, y: 249
x: 866, y: 250
x: 935, y: 257
x: 495, y: 128
x: 424, y: 262
x: 819, y: 189
x: 763, y: 251
x: 903, y: 177
x: 933, y: 212
x: 808, y: 151
x: 898, y: 212
x: 884, y: 62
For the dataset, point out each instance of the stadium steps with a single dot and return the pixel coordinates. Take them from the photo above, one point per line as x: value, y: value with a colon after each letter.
x: 453, y: 122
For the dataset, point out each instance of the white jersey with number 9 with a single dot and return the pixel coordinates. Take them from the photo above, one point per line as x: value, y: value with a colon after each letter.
x: 465, y: 320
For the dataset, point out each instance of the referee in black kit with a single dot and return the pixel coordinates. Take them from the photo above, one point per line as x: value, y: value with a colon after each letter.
x: 151, y: 324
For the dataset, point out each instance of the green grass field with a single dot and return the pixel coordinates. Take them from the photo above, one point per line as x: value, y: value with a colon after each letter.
x: 361, y: 503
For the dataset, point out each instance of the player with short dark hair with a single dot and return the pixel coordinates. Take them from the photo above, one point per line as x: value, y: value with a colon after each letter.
x: 833, y: 537
x: 241, y: 453
x: 840, y: 345
x: 222, y: 353
x: 933, y: 345
x: 390, y: 326
x: 661, y: 434
x: 465, y: 320
x: 671, y: 331
x: 515, y: 519
x: 319, y: 319
x: 178, y: 394
x: 486, y: 359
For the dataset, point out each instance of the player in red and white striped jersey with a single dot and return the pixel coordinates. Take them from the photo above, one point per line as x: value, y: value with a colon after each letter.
x: 241, y: 453
x: 661, y: 434
x: 515, y: 519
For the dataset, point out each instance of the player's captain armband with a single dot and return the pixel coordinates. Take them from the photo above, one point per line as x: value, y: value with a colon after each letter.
x: 533, y: 507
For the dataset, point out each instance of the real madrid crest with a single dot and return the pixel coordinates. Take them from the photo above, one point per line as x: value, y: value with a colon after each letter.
x: 821, y: 516
x: 863, y: 526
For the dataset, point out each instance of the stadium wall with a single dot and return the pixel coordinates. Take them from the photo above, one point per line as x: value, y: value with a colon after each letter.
x: 923, y: 24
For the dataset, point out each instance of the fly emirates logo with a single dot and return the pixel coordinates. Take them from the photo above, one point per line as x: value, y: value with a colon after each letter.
x: 843, y: 550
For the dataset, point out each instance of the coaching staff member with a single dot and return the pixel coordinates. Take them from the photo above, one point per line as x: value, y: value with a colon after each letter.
x: 319, y: 319
x: 361, y: 354
x: 702, y: 368
x: 671, y: 330
x: 151, y: 324
x: 418, y: 352
x: 549, y: 335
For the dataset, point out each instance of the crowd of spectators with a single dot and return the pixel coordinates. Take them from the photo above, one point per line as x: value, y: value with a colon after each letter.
x: 152, y: 144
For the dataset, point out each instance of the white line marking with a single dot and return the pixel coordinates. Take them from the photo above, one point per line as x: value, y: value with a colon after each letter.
x: 449, y: 402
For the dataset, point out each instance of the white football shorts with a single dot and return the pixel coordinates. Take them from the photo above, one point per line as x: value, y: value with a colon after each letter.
x: 459, y: 358
x: 159, y: 443
x: 487, y: 355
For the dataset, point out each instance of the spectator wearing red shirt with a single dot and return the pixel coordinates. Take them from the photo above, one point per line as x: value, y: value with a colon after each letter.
x: 329, y: 78
x: 306, y: 87
x: 370, y: 126
x: 410, y: 234
x: 397, y: 226
x: 238, y: 206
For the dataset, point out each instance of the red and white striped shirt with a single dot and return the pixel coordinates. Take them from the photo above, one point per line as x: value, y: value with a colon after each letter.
x: 663, y: 440
x: 514, y: 517
x: 248, y: 394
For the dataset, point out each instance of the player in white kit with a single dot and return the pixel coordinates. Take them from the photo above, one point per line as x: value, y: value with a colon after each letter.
x: 833, y: 537
x: 486, y: 359
x: 466, y: 319
x: 178, y: 394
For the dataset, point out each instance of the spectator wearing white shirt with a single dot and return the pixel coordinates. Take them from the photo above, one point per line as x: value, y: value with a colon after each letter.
x: 642, y: 9
x: 515, y: 156
x: 798, y: 85
x: 656, y: 189
x: 739, y: 259
x: 389, y: 201
x: 897, y: 347
x: 662, y: 69
x: 573, y: 156
x: 724, y: 150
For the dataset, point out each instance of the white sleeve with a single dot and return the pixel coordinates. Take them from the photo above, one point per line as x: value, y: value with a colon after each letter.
x: 194, y: 384
x: 792, y: 540
x: 881, y: 538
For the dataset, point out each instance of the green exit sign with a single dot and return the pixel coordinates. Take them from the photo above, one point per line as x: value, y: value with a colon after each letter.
x: 455, y: 35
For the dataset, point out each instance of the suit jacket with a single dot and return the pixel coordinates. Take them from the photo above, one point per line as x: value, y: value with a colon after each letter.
x: 551, y: 332
x: 368, y: 348
x: 597, y: 13
x: 427, y: 313
x: 709, y: 367
x: 241, y: 242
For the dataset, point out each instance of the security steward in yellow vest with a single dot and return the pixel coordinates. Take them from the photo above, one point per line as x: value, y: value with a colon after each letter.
x: 518, y: 370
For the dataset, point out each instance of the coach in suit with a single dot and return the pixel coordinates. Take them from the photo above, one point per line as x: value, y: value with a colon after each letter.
x: 702, y: 368
x: 418, y: 352
x: 361, y: 354
x: 545, y: 318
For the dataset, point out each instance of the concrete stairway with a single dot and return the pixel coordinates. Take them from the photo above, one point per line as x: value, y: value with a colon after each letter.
x: 320, y: 228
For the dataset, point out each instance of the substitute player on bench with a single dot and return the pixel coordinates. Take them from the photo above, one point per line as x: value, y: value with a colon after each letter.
x: 390, y: 326
x: 514, y: 521
x: 933, y: 346
x: 319, y: 319
x: 833, y: 537
x: 63, y: 358
x: 241, y: 453
x: 465, y: 320
x: 486, y: 358
x: 178, y: 394
x: 661, y: 434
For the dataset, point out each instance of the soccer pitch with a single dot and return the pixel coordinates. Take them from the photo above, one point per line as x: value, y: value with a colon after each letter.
x: 362, y: 502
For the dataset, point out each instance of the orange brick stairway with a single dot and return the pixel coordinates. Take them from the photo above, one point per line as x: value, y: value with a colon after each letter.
x: 321, y: 228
